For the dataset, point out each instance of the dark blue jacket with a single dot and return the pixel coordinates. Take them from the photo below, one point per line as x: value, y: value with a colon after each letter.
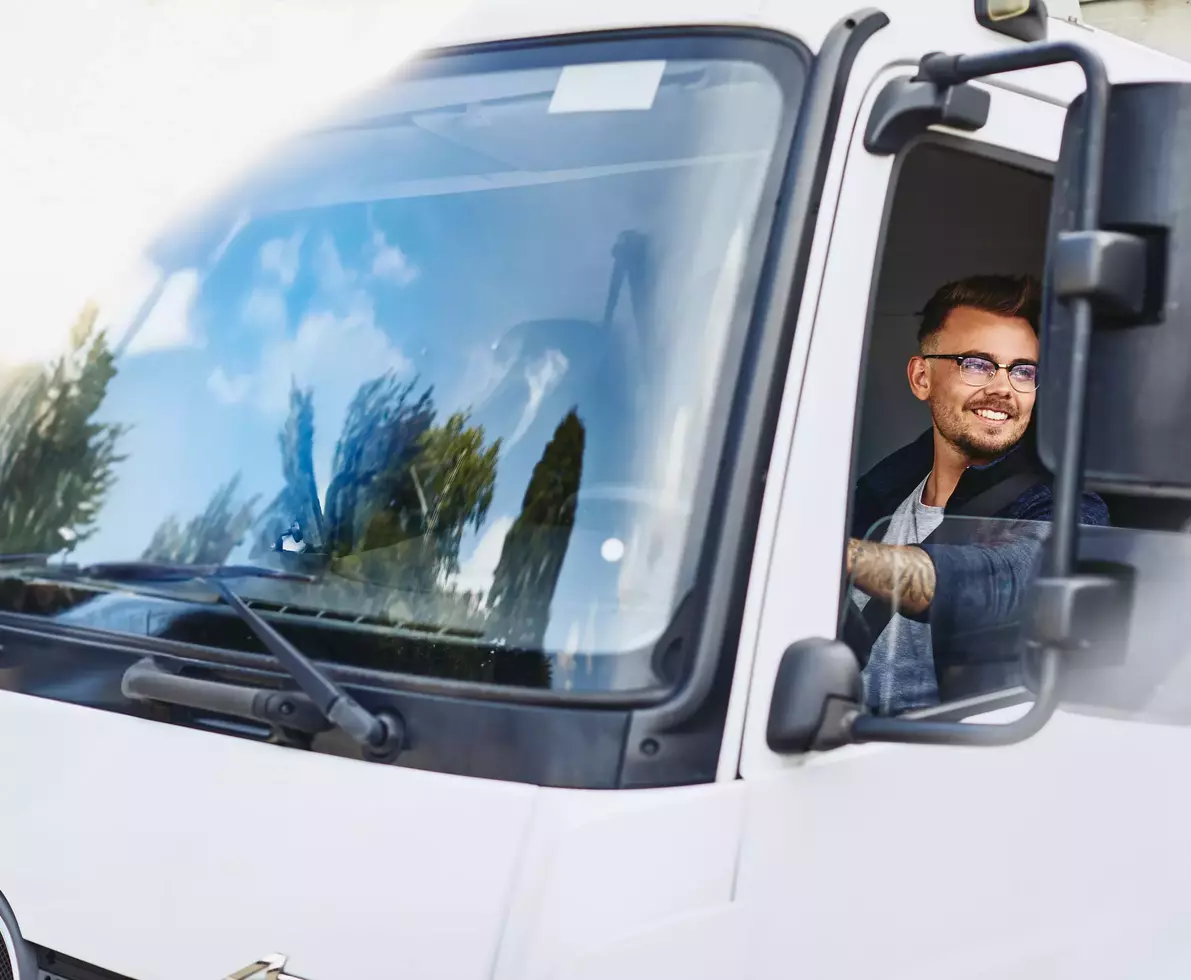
x: 984, y: 564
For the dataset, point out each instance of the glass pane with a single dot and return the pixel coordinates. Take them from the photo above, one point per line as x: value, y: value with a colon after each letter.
x: 452, y: 353
x: 938, y: 615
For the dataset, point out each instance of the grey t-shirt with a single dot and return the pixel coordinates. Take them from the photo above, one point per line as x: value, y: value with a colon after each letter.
x: 900, y: 674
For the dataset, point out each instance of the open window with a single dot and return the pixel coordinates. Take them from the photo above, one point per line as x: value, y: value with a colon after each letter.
x: 954, y: 213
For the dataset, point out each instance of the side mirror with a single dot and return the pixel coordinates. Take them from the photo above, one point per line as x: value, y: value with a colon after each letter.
x: 1139, y: 351
x: 817, y: 693
x: 818, y: 704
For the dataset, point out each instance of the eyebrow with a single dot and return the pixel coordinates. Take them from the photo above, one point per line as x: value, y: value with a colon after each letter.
x: 987, y: 356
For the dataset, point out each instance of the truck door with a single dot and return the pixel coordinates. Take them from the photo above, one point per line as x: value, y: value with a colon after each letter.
x: 925, y: 862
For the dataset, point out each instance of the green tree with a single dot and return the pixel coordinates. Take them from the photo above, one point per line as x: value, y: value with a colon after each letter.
x: 454, y: 476
x: 405, y: 490
x: 379, y: 440
x: 208, y: 538
x: 534, y: 549
x: 57, y: 463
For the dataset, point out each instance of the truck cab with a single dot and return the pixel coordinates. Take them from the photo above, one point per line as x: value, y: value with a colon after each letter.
x: 522, y: 400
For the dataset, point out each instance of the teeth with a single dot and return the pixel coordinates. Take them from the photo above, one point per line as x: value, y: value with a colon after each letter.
x: 995, y: 416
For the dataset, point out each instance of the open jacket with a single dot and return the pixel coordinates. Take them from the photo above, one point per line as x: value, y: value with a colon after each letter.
x: 984, y: 565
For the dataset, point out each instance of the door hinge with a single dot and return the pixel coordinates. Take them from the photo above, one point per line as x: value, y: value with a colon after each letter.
x: 271, y: 967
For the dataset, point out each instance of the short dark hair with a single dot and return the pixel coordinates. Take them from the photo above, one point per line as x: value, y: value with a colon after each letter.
x: 1004, y: 295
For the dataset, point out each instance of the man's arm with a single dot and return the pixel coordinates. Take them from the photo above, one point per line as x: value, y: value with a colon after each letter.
x: 902, y: 575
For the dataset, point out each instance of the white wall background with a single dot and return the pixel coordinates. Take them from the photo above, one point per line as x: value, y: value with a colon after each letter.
x: 115, y: 113
x: 1161, y: 24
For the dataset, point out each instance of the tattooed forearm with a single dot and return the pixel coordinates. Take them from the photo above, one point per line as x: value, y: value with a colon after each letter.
x: 904, y: 576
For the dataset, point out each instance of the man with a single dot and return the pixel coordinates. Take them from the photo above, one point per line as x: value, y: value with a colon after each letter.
x: 930, y: 617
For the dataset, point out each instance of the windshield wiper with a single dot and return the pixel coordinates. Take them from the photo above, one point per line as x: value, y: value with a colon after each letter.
x: 157, y: 571
x: 379, y: 735
x: 27, y: 558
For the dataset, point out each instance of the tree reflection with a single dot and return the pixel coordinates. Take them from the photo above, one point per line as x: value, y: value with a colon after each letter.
x: 531, y: 559
x: 56, y: 462
x: 296, y: 507
x: 380, y: 440
x: 208, y: 538
x: 405, y: 490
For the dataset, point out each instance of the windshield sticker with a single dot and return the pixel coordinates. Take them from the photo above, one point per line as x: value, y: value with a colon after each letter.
x: 622, y: 86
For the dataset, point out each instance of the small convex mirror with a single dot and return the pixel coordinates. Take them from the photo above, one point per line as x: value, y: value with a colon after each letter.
x: 1138, y: 409
x: 1022, y: 19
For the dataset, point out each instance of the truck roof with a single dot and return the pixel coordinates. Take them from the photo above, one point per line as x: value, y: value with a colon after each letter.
x: 951, y: 25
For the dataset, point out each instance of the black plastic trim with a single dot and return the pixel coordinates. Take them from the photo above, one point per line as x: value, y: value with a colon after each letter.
x: 22, y: 953
x: 292, y: 710
x: 545, y: 746
x: 907, y: 107
x: 813, y: 674
x: 25, y: 624
x: 68, y: 968
x: 679, y: 741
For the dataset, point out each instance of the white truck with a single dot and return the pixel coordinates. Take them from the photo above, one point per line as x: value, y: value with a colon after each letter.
x: 440, y: 573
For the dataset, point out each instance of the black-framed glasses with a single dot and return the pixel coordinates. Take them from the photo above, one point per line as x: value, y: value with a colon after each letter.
x: 979, y: 371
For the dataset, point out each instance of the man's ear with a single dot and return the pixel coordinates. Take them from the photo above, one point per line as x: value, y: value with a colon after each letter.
x: 918, y: 371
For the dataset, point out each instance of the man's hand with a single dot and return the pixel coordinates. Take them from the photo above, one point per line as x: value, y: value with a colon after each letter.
x: 902, y: 575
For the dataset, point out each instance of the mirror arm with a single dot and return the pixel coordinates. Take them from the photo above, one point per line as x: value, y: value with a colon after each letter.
x: 923, y: 731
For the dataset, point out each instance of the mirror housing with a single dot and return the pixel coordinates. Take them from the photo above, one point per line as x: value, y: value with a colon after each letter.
x: 817, y: 692
x: 1140, y: 350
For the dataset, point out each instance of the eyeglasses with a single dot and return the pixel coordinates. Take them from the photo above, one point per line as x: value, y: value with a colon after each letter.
x: 979, y: 371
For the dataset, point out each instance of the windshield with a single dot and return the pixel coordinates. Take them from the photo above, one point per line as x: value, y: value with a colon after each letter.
x: 454, y: 353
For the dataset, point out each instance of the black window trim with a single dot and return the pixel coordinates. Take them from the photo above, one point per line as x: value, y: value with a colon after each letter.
x: 680, y: 741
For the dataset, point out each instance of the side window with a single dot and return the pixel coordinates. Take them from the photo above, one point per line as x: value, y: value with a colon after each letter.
x: 944, y: 438
x: 952, y: 507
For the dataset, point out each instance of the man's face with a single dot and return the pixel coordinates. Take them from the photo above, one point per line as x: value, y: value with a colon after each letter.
x: 982, y: 423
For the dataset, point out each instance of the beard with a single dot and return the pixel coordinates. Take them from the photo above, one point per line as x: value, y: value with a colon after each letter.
x: 980, y: 441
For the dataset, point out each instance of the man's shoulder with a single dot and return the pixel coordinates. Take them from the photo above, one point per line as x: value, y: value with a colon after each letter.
x: 879, y: 491
x: 1036, y: 503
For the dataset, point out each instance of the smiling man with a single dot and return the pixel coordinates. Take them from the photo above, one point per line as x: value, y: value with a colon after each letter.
x: 977, y: 369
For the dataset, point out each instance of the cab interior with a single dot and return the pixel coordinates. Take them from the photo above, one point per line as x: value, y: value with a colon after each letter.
x: 954, y: 213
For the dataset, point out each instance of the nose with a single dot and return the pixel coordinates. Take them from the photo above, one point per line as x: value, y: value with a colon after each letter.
x: 1000, y: 383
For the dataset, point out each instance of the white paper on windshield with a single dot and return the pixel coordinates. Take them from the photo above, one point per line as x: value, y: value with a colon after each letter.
x: 620, y: 86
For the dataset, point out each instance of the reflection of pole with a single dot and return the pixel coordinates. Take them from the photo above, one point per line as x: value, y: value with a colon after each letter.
x: 629, y: 256
x: 413, y: 472
x: 143, y: 311
x: 142, y: 314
